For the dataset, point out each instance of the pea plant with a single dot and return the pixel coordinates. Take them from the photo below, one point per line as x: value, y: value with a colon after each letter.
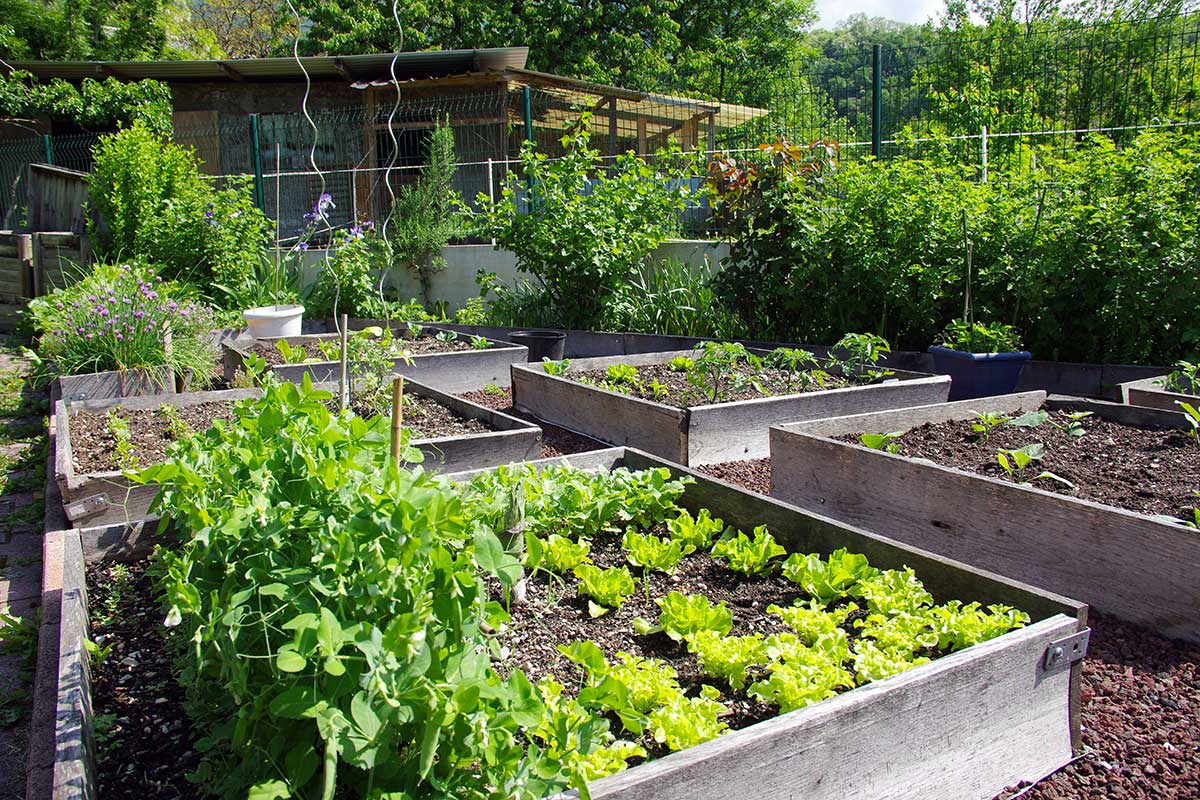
x: 124, y: 452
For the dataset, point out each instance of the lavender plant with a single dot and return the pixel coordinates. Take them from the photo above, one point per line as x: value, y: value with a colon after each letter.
x: 123, y: 316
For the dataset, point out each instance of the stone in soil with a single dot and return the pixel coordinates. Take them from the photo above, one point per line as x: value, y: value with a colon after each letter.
x: 1139, y: 469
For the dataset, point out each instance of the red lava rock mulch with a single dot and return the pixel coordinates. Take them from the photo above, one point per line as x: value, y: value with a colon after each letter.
x: 754, y: 475
x: 556, y: 441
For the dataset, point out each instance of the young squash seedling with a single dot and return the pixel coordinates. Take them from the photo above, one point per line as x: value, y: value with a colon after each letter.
x: 1017, y: 462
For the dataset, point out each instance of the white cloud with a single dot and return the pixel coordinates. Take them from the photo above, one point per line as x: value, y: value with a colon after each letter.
x: 833, y: 11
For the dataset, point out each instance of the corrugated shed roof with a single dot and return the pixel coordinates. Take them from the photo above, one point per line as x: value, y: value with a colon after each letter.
x: 409, y: 66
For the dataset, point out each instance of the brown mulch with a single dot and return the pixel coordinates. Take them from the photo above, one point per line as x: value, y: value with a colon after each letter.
x: 754, y: 474
x: 144, y: 745
x: 424, y: 344
x: 1143, y: 470
x: 1141, y: 703
x: 682, y: 393
x: 556, y: 441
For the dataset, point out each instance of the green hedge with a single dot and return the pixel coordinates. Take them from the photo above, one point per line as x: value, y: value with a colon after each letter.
x: 1093, y: 257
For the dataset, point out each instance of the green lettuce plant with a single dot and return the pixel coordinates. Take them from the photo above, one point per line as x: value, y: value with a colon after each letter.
x: 750, y: 556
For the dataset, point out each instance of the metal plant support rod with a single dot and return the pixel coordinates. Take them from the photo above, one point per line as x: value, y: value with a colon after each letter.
x: 256, y: 159
x: 876, y: 100
x: 343, y: 374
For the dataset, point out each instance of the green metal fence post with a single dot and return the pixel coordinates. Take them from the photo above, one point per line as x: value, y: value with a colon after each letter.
x: 876, y: 99
x: 256, y: 160
x: 528, y: 98
x: 49, y: 148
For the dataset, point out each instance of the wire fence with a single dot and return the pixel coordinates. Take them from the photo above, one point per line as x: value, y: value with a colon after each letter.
x: 972, y: 96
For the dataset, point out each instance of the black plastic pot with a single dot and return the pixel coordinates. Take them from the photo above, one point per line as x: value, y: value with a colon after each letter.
x: 978, y: 374
x: 541, y: 344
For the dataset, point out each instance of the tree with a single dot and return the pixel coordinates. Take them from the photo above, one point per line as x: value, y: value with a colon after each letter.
x: 424, y: 216
x: 247, y: 28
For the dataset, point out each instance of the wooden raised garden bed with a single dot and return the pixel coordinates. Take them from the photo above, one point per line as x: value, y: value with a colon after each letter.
x: 1150, y: 393
x: 452, y: 370
x: 1135, y: 566
x: 701, y: 434
x: 104, y: 496
x: 961, y: 727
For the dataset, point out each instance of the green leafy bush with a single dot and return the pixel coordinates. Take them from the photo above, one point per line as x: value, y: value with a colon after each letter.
x: 348, y: 279
x: 590, y: 222
x: 124, y: 316
x: 153, y: 203
x: 980, y: 337
x: 1091, y: 256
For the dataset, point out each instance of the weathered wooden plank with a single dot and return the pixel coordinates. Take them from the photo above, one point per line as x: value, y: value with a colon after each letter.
x: 1149, y: 393
x: 736, y: 431
x: 1124, y: 414
x: 904, y: 419
x: 115, y: 384
x: 960, y: 728
x: 1130, y: 565
x: 599, y: 413
x: 702, y: 434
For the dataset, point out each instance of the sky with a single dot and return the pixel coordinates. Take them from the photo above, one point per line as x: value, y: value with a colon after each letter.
x: 832, y: 11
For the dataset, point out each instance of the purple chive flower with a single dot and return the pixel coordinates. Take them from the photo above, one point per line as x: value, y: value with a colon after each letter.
x: 120, y: 338
x: 172, y: 305
x: 91, y: 336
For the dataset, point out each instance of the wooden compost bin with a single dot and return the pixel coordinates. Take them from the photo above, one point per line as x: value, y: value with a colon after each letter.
x: 105, y: 498
x: 461, y: 371
x: 1150, y: 393
x: 704, y: 434
x: 1133, y: 566
x: 959, y: 728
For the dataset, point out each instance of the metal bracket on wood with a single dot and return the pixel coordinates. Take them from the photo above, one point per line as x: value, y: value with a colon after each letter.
x: 1062, y: 653
x: 87, y: 506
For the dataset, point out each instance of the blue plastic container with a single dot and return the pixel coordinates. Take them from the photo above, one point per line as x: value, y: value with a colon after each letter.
x: 978, y: 374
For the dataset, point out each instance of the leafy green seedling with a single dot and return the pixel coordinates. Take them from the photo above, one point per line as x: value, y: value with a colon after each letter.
x: 713, y: 366
x: 660, y: 391
x: 1183, y: 379
x: 555, y: 367
x: 680, y: 364
x: 796, y: 363
x: 177, y: 429
x: 118, y: 427
x: 446, y: 337
x: 730, y: 658
x: 607, y: 588
x: 295, y: 355
x: 986, y: 422
x: 493, y: 390
x: 653, y: 553
x: 750, y: 556
x: 863, y: 351
x: 414, y: 330
x: 622, y: 373
x: 688, y: 721
x: 1074, y: 426
x: 695, y: 532
x: 1017, y: 462
x: 480, y: 343
x: 882, y: 441
x: 828, y: 579
x: 684, y: 614
x: 560, y: 555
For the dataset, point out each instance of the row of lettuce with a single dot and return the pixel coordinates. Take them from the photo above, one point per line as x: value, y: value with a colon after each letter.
x: 340, y: 619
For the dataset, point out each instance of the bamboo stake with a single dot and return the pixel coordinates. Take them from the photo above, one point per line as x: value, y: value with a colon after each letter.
x: 397, y: 415
x: 343, y: 382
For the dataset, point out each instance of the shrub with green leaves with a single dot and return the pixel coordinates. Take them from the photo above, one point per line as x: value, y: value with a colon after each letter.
x: 587, y: 223
x: 154, y: 203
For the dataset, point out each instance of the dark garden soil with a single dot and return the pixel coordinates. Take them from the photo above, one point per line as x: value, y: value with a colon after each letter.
x: 422, y: 345
x: 1141, y: 703
x: 754, y: 474
x: 556, y: 441
x: 682, y: 394
x: 94, y: 447
x: 1143, y: 470
x: 144, y: 746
